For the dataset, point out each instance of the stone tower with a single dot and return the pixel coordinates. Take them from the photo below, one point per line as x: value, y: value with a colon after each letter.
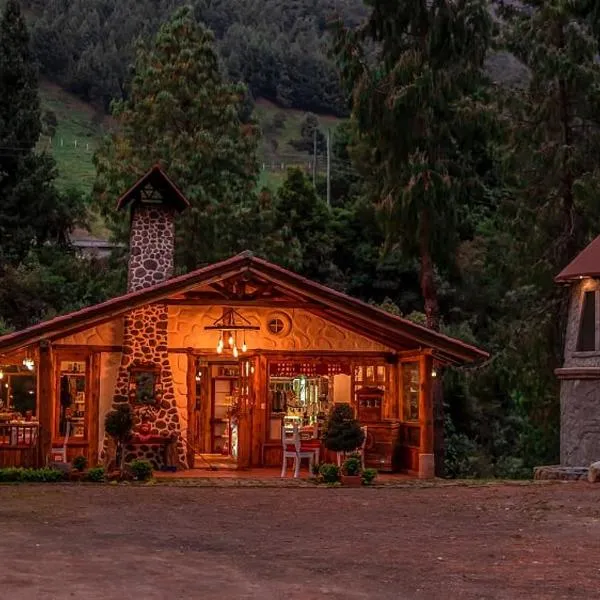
x: 580, y: 374
x: 153, y: 202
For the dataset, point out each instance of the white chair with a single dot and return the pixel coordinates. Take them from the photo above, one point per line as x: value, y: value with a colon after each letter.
x: 360, y: 451
x: 291, y: 446
x: 58, y: 454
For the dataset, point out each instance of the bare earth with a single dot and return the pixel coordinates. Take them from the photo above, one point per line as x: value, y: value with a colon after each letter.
x: 159, y: 542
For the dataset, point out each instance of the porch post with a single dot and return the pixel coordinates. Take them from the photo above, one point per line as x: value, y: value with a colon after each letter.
x: 45, y: 399
x: 426, y: 455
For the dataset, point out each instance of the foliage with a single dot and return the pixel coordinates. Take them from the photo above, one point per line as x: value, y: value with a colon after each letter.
x: 80, y: 463
x: 95, y: 475
x: 352, y: 466
x: 278, y: 49
x: 118, y: 424
x: 21, y: 475
x: 329, y: 473
x: 343, y: 432
x: 182, y: 114
x: 369, y: 476
x: 141, y: 469
x: 32, y: 213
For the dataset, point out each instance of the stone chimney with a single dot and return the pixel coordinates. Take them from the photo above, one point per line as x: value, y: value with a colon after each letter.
x: 153, y: 200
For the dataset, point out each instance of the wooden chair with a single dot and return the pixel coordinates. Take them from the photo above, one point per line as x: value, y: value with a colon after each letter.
x: 292, y: 448
x: 360, y: 451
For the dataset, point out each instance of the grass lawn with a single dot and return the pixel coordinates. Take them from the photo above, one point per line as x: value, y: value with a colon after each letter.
x: 155, y: 542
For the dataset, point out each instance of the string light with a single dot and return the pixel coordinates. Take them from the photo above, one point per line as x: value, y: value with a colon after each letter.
x: 235, y: 352
x: 1, y: 374
x: 231, y: 340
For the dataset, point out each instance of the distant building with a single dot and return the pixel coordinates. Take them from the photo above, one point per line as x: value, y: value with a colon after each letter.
x: 91, y: 246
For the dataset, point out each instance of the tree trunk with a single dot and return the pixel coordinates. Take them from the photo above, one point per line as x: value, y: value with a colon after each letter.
x: 432, y: 315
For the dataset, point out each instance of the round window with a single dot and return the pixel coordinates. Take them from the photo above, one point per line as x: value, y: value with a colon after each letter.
x: 278, y: 324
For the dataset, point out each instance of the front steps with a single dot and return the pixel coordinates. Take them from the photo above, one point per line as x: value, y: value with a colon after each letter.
x: 214, y: 461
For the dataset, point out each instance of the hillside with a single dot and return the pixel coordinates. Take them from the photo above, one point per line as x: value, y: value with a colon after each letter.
x: 80, y: 127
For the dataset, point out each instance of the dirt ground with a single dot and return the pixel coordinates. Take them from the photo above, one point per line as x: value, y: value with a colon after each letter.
x: 167, y: 542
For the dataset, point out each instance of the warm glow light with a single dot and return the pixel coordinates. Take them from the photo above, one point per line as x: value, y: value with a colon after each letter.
x: 219, y: 349
x: 434, y: 373
x: 28, y: 363
x: 231, y: 340
x: 1, y: 374
x: 235, y: 352
x: 244, y: 347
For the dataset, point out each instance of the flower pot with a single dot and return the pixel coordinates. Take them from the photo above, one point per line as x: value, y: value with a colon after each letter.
x: 351, y: 480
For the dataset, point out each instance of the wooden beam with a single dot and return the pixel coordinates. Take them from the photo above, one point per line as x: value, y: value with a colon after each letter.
x: 191, y: 405
x: 94, y: 409
x: 426, y: 454
x: 259, y: 303
x: 83, y: 348
x: 45, y: 399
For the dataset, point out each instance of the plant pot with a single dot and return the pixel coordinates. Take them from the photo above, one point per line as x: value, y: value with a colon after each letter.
x: 351, y: 480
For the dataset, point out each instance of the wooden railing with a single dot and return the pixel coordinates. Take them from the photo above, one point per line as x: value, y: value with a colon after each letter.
x: 20, y: 445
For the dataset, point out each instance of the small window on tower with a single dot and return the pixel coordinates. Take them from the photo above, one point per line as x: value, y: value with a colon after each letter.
x: 587, y: 324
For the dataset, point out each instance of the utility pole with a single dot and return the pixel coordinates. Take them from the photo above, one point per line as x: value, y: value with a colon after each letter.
x: 315, y: 157
x: 328, y: 167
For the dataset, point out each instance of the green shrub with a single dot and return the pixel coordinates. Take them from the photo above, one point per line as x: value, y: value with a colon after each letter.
x: 329, y: 473
x: 141, y: 469
x: 80, y: 463
x: 352, y: 466
x: 368, y: 476
x: 95, y: 474
x: 19, y: 474
x: 343, y: 432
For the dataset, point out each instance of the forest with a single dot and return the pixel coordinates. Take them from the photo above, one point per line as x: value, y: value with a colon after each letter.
x: 459, y: 195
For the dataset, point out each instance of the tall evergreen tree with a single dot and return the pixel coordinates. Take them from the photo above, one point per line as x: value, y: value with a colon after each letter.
x: 412, y: 69
x: 181, y: 113
x: 31, y: 211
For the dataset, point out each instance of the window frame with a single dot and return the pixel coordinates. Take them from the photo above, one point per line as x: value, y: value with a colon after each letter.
x: 403, y: 401
x: 596, y: 350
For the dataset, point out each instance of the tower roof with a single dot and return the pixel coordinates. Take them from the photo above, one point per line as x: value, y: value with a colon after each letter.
x: 585, y: 264
x: 154, y: 187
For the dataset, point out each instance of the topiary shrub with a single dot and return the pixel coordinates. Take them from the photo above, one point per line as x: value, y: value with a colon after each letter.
x: 95, y: 474
x: 141, y: 469
x: 342, y: 432
x: 329, y: 473
x: 118, y: 424
x: 80, y: 463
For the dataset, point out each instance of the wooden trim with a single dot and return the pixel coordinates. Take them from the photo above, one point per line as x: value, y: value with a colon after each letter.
x: 289, y: 305
x: 426, y: 405
x: 85, y: 348
x: 93, y: 408
x: 210, y: 354
x: 578, y: 373
x: 45, y: 400
x: 191, y: 404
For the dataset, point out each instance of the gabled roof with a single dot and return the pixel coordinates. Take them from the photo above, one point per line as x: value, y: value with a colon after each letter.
x: 372, y: 322
x: 585, y: 264
x: 158, y: 180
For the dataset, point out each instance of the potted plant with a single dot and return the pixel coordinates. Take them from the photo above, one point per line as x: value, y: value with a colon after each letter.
x: 118, y: 424
x: 351, y: 472
x: 342, y: 431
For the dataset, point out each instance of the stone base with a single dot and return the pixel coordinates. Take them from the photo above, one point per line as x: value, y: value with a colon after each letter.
x: 559, y: 473
x: 426, y: 466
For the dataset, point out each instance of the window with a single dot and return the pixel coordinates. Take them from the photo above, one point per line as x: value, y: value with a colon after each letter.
x: 17, y: 391
x: 279, y: 324
x: 587, y: 324
x: 276, y: 326
x: 72, y: 399
x: 410, y: 391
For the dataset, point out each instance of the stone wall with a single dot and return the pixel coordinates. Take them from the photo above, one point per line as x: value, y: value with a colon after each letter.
x: 151, y: 246
x: 145, y: 343
x: 579, y: 397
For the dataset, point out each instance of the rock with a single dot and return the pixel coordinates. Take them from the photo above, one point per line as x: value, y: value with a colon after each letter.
x: 594, y: 472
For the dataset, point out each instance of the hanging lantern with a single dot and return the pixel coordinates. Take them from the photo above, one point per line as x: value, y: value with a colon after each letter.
x: 228, y: 324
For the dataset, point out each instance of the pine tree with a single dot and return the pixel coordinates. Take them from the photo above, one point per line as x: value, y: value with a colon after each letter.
x: 31, y: 211
x: 412, y: 70
x: 181, y: 113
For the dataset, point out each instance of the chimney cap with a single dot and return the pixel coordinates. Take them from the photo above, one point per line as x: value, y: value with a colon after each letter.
x: 158, y: 181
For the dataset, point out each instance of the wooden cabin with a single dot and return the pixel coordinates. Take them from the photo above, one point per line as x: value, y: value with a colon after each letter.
x: 217, y: 362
